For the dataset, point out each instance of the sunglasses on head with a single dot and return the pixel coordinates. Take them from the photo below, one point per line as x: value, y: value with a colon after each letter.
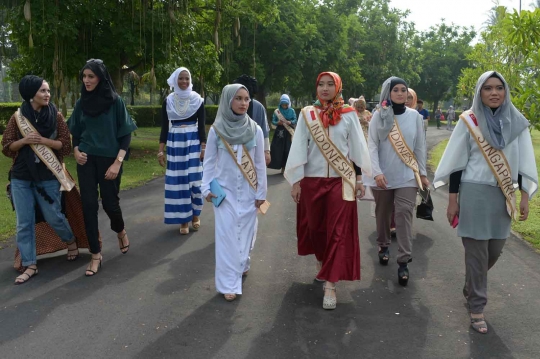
x: 97, y: 61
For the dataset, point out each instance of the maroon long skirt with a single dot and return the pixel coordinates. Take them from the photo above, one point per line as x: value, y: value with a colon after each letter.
x: 327, y: 226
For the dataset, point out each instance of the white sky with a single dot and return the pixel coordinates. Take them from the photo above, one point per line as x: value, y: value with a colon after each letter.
x: 426, y: 13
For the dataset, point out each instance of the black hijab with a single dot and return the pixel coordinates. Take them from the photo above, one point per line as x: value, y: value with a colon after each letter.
x: 399, y: 108
x: 98, y: 101
x: 43, y: 121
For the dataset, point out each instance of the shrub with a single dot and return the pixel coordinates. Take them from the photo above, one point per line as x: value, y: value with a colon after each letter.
x: 146, y: 116
x: 211, y: 112
x: 6, y: 111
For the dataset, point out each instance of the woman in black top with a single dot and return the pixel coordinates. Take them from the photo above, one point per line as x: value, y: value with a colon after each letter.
x: 183, y: 131
x: 101, y: 129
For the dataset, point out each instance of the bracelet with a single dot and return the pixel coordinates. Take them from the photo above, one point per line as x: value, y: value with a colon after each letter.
x: 160, y: 154
x: 359, y: 182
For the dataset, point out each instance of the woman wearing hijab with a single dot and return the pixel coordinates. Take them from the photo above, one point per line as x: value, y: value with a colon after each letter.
x: 285, y: 119
x: 101, y: 129
x: 35, y: 190
x: 327, y: 144
x: 183, y: 130
x: 363, y: 115
x: 482, y: 194
x: 398, y: 158
x: 235, y: 160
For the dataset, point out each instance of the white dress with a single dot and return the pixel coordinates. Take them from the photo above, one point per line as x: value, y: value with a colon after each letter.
x: 236, y: 217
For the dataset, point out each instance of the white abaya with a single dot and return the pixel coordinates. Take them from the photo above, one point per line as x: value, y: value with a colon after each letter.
x: 236, y: 217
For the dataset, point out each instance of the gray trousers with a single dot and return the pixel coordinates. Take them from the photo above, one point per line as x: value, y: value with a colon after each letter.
x: 404, y: 201
x: 480, y: 256
x: 449, y: 123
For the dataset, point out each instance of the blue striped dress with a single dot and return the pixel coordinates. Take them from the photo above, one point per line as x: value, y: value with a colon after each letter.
x: 183, y: 198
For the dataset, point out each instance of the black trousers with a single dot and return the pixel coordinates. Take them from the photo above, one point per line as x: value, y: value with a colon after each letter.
x: 91, y: 175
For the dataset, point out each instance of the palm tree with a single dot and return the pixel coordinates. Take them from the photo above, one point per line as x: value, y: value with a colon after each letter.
x: 496, y: 13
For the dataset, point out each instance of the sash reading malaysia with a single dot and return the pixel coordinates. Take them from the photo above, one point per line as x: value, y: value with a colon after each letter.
x: 497, y: 163
x: 284, y: 123
x: 330, y: 152
x: 246, y: 165
x: 404, y: 152
x: 45, y: 154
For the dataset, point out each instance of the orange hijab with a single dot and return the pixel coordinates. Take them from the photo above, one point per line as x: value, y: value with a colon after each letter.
x: 414, y: 98
x: 331, y: 111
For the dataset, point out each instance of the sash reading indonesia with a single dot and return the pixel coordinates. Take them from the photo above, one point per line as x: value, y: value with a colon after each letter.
x: 497, y: 163
x: 45, y: 154
x: 331, y: 153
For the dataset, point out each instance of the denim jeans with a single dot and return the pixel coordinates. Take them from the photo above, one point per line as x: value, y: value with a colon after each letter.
x: 25, y: 198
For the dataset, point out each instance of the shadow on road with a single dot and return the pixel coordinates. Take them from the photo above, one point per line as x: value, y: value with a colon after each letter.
x: 28, y: 312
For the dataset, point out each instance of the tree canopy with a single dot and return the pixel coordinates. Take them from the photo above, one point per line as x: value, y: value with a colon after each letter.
x: 284, y: 44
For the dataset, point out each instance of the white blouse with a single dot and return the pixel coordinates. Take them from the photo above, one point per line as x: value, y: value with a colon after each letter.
x: 305, y: 158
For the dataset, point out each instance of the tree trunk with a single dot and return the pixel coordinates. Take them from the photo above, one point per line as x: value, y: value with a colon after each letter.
x: 117, y: 79
x: 260, y: 95
x: 435, y: 107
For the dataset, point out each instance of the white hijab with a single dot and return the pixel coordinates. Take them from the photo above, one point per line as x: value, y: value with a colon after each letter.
x: 182, y: 104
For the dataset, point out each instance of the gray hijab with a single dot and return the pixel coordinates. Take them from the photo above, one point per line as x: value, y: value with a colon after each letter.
x: 505, y: 124
x: 385, y: 110
x: 235, y: 129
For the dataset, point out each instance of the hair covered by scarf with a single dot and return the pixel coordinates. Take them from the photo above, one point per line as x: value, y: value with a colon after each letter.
x: 99, y: 100
x: 235, y: 129
x: 501, y: 127
x: 331, y: 110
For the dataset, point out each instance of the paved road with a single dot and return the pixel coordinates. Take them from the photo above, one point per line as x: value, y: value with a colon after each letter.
x: 159, y: 301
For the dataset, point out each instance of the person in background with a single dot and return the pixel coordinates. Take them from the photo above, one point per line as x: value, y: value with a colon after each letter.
x: 450, y: 117
x: 256, y: 111
x: 412, y: 99
x: 424, y: 112
x: 482, y: 191
x: 438, y: 114
x: 101, y: 130
x: 183, y: 131
x: 285, y: 119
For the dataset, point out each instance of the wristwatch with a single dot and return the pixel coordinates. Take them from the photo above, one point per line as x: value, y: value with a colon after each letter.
x: 120, y: 159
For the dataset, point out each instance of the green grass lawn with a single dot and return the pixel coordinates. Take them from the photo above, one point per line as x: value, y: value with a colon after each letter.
x: 529, y: 229
x: 141, y: 168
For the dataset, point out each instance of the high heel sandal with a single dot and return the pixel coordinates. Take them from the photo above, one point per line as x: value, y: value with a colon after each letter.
x: 89, y: 269
x: 196, y: 224
x: 328, y: 301
x: 403, y: 274
x: 121, y: 243
x: 384, y: 255
x: 70, y: 256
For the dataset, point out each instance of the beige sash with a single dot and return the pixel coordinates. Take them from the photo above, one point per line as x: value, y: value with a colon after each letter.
x: 45, y: 154
x: 404, y: 152
x: 330, y: 152
x: 497, y: 163
x: 246, y: 165
x: 283, y: 123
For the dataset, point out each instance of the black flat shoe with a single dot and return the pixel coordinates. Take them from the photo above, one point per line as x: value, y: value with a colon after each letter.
x: 403, y: 274
x: 384, y: 255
